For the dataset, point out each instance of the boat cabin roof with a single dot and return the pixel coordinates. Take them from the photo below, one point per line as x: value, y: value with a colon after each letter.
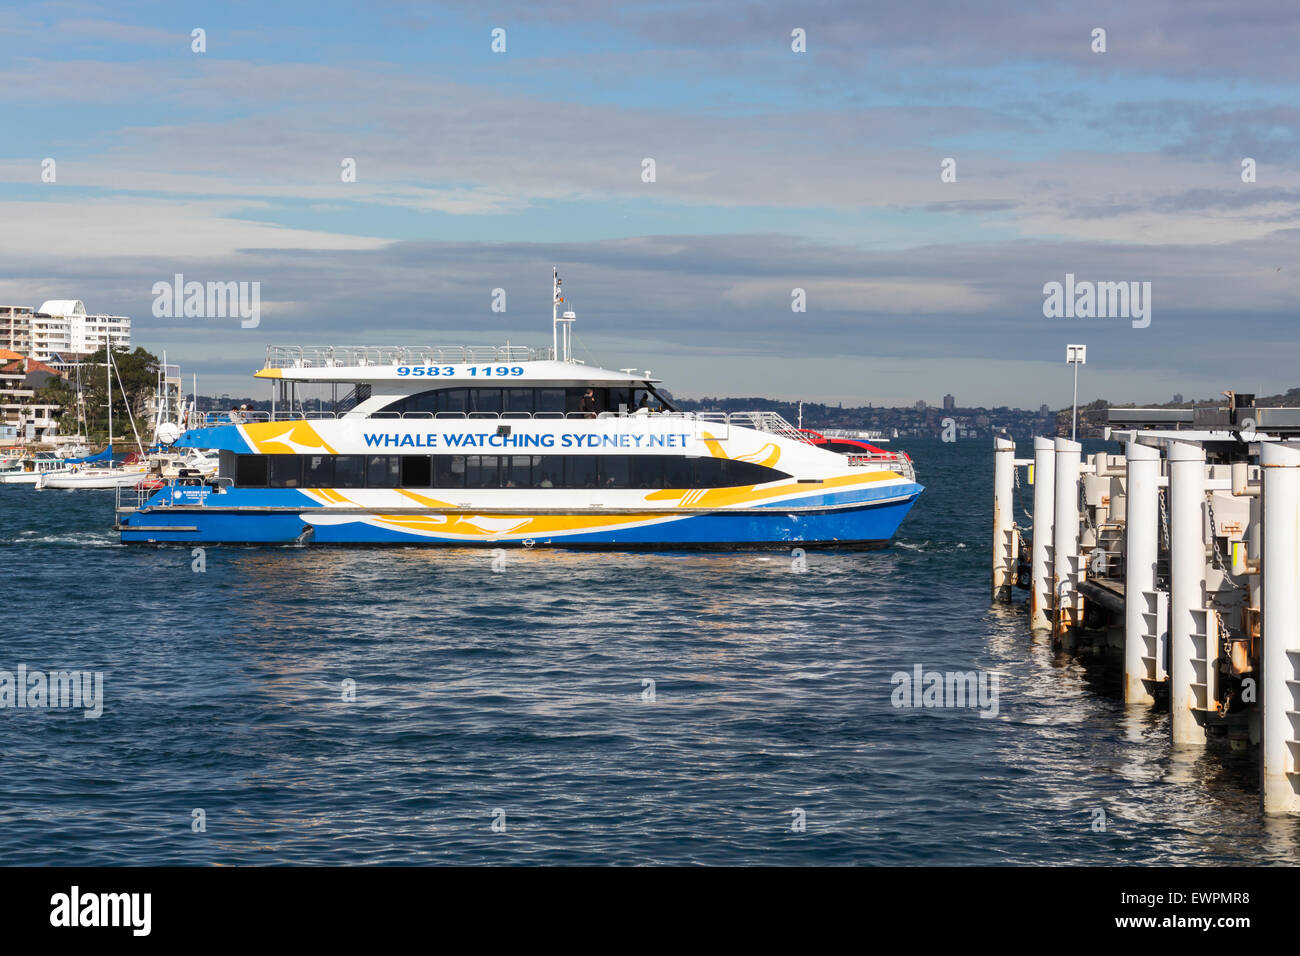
x: 425, y: 364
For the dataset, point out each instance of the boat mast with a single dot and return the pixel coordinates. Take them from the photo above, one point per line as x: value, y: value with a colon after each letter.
x: 159, y: 398
x: 555, y: 313
x: 108, y: 377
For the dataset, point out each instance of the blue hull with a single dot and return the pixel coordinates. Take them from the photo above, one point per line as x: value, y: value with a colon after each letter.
x: 853, y: 525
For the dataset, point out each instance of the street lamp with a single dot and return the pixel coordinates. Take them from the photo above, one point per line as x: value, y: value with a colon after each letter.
x: 1075, y: 355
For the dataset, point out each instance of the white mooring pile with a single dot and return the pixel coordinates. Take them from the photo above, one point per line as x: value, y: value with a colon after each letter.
x: 1187, y: 549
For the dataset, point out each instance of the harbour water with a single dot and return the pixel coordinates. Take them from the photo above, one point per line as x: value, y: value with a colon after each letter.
x: 523, y: 688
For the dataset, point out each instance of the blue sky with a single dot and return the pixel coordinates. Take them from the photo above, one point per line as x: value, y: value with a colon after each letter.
x: 775, y: 170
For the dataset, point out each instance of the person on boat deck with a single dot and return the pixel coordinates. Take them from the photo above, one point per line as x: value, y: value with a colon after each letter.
x: 589, y: 403
x: 235, y: 419
x: 547, y: 483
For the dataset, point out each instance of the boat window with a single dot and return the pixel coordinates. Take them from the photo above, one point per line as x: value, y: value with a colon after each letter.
x: 656, y: 396
x: 550, y: 400
x: 520, y: 473
x: 349, y: 471
x: 286, y: 471
x: 481, y: 471
x: 485, y: 400
x: 250, y: 471
x: 519, y: 400
x: 548, y: 471
x: 581, y: 471
x: 678, y: 473
x: 416, y: 472
x: 423, y: 402
x: 448, y: 471
x: 573, y: 399
x: 513, y: 399
x: 707, y: 472
x: 317, y: 471
x: 453, y: 400
x: 647, y: 471
x: 739, y: 473
x: 619, y: 396
x: 383, y: 471
x: 613, y: 471
x: 497, y: 471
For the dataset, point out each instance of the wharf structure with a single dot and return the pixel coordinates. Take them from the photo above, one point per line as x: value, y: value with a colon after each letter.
x: 1183, y: 553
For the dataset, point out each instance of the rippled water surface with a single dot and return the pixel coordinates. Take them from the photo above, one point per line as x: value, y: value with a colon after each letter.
x: 522, y: 691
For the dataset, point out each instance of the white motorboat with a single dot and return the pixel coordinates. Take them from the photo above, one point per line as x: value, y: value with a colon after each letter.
x: 30, y: 470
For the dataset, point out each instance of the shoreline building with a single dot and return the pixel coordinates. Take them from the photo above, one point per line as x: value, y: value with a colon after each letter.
x: 63, y: 327
x: 16, y: 328
x: 20, y: 379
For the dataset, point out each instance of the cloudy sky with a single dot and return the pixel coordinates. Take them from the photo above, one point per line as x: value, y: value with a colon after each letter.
x: 774, y: 170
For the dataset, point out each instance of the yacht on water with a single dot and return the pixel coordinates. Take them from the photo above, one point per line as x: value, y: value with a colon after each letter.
x: 145, y: 467
x: 125, y: 473
x: 515, y: 446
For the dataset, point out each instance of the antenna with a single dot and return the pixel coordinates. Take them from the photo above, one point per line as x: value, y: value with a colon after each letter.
x: 556, y: 299
x: 561, y: 338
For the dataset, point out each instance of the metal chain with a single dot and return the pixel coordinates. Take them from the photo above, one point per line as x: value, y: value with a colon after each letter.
x: 1164, y: 521
x: 1083, y: 507
x: 1218, y: 555
x: 1016, y: 472
x: 1214, y: 537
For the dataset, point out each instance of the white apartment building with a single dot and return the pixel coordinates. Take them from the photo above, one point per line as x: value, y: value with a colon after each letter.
x: 63, y: 325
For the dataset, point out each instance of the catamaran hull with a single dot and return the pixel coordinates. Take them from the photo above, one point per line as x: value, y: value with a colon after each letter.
x: 872, y: 524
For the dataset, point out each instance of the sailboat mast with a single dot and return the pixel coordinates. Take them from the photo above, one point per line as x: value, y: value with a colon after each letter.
x: 108, y: 378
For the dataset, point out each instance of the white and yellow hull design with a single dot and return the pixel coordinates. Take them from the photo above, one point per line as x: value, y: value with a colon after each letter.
x: 815, y: 497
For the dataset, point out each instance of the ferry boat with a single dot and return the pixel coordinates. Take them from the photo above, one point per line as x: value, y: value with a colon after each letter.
x: 513, y: 446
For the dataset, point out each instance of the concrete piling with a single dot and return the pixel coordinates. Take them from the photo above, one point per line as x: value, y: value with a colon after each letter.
x: 1199, y: 571
x: 1280, y: 692
x: 1143, y: 626
x: 1005, y: 545
x: 1042, y: 582
x: 1068, y: 606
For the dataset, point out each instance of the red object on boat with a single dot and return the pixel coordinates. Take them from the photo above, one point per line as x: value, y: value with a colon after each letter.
x: 150, y: 483
x: 852, y: 446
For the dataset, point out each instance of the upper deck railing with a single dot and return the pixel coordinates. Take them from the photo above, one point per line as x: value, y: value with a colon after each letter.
x: 759, y: 421
x: 763, y: 421
x: 365, y: 356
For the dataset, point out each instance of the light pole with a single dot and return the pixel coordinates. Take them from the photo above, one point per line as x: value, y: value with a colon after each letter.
x: 1075, y: 355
